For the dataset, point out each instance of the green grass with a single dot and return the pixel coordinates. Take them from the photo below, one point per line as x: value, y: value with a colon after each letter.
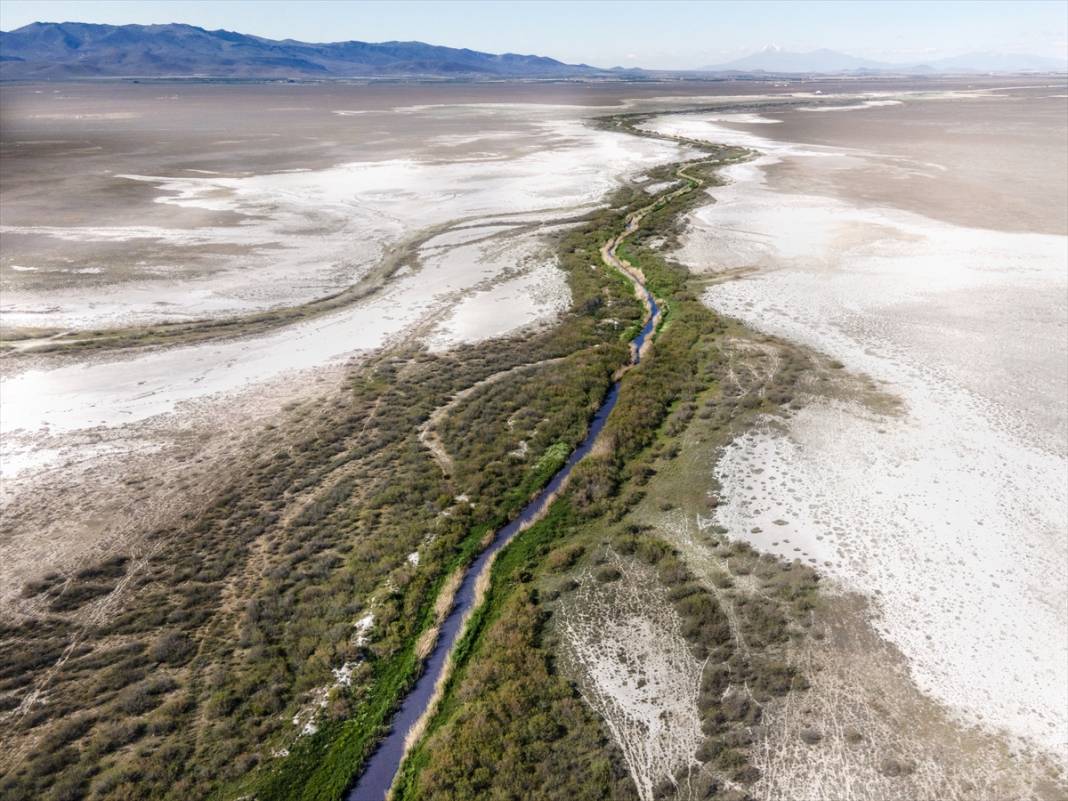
x: 514, y: 564
x: 321, y: 767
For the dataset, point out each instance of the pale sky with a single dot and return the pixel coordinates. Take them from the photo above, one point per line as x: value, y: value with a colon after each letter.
x: 655, y: 34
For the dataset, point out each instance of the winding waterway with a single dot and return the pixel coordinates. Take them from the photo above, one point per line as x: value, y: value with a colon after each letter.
x: 377, y: 778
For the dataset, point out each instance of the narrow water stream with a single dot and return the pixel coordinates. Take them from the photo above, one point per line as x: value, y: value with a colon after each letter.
x: 382, y: 767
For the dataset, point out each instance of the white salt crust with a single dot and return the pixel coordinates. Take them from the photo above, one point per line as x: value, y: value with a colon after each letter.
x: 952, y: 516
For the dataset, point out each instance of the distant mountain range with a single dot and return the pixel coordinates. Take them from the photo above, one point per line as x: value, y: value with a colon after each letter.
x: 773, y: 59
x: 776, y: 60
x: 51, y: 50
x: 61, y: 50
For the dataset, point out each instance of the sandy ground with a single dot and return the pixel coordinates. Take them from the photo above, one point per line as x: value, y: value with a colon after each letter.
x: 539, y: 293
x: 863, y: 732
x: 624, y: 639
x: 953, y: 517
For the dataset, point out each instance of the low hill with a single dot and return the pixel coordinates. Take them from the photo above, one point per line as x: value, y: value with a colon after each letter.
x: 50, y: 50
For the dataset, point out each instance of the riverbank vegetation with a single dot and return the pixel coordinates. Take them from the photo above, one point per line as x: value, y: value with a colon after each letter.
x: 703, y: 382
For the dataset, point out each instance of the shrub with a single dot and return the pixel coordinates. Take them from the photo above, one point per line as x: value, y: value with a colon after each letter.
x: 172, y: 647
x: 607, y: 573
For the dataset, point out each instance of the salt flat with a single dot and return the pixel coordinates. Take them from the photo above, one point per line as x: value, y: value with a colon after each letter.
x: 294, y: 225
x: 952, y: 514
x: 305, y: 232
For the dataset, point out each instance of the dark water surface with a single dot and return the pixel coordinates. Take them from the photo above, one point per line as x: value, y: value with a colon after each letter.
x: 382, y: 767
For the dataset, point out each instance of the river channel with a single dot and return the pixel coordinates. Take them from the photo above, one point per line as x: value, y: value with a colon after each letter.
x: 375, y: 781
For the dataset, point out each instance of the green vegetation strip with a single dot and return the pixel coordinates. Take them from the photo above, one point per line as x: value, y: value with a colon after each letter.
x: 508, y: 725
x: 647, y: 396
